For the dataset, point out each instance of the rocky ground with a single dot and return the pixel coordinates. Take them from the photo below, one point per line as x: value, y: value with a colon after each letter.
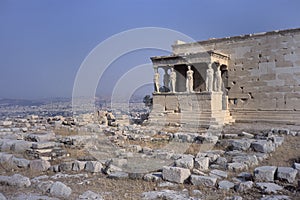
x: 56, y: 158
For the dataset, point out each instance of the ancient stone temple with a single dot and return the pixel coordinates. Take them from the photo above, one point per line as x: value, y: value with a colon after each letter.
x: 243, y: 78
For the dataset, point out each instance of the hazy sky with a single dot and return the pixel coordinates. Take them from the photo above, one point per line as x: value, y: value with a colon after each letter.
x: 44, y: 42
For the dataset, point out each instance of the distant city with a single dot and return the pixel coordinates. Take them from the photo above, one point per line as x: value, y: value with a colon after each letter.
x: 57, y: 106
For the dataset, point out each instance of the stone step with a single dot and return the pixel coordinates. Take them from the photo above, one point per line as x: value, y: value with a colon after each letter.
x: 268, y: 117
x: 258, y: 116
x: 195, y: 123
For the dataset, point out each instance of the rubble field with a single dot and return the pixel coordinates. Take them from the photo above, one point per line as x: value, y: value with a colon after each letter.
x: 55, y: 158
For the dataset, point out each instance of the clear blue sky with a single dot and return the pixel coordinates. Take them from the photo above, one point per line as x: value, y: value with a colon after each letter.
x: 43, y: 42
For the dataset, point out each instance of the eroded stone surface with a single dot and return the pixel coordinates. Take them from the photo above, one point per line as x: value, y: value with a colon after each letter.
x: 175, y: 174
x: 269, y: 187
x: 203, y: 180
x: 90, y: 195
x: 265, y: 173
x: 58, y: 189
x: 286, y: 174
x: 225, y: 185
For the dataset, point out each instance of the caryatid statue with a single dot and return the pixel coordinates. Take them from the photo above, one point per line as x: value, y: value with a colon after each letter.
x: 173, y: 80
x: 189, y: 80
x: 166, y: 79
x: 156, y: 81
x: 218, y: 81
x: 209, y: 78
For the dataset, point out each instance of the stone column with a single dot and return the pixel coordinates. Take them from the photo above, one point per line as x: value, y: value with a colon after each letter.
x: 209, y: 78
x: 218, y: 80
x: 189, y: 80
x: 173, y: 80
x: 156, y: 80
x: 166, y: 80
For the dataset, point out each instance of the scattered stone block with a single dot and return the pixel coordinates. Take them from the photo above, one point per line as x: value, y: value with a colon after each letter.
x: 118, y: 175
x: 136, y: 175
x: 2, y: 197
x: 185, y: 162
x: 234, y: 198
x: 225, y: 185
x: 230, y: 136
x: 39, y: 165
x: 201, y: 163
x: 218, y: 173
x: 15, y: 180
x: 263, y: 146
x: 20, y: 162
x: 41, y: 137
x: 222, y: 162
x: 249, y: 160
x: 54, y: 168
x: 185, y: 137
x: 212, y: 155
x: 286, y: 174
x: 44, y: 186
x: 235, y: 153
x: 244, y: 186
x: 20, y: 181
x: 241, y: 145
x: 20, y: 146
x: 296, y: 166
x: 276, y: 197
x: 261, y: 156
x: 112, y: 169
x: 66, y: 166
x: 93, y: 166
x: 60, y: 190
x: 265, y: 173
x: 134, y: 148
x: 5, y: 158
x: 235, y: 167
x: 43, y: 145
x: 245, y: 176
x: 269, y: 188
x: 207, y: 181
x: 6, y: 144
x: 6, y: 123
x: 89, y: 195
x: 196, y: 193
x: 166, y: 194
x: 198, y: 172
x: 167, y: 184
x: 278, y: 140
x: 247, y: 135
x: 154, y: 177
x: 175, y: 174
x: 78, y: 165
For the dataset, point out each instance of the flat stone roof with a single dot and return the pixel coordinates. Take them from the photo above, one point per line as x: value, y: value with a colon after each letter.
x: 179, y: 56
x: 241, y: 37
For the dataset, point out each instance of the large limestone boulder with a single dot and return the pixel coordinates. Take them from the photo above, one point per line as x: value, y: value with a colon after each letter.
x: 93, y: 166
x: 60, y: 190
x: 265, y: 173
x: 185, y: 162
x: 175, y: 174
x: 201, y: 163
x: 207, y: 181
x: 16, y: 180
x: 263, y: 146
x: 287, y: 174
x: 39, y: 165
